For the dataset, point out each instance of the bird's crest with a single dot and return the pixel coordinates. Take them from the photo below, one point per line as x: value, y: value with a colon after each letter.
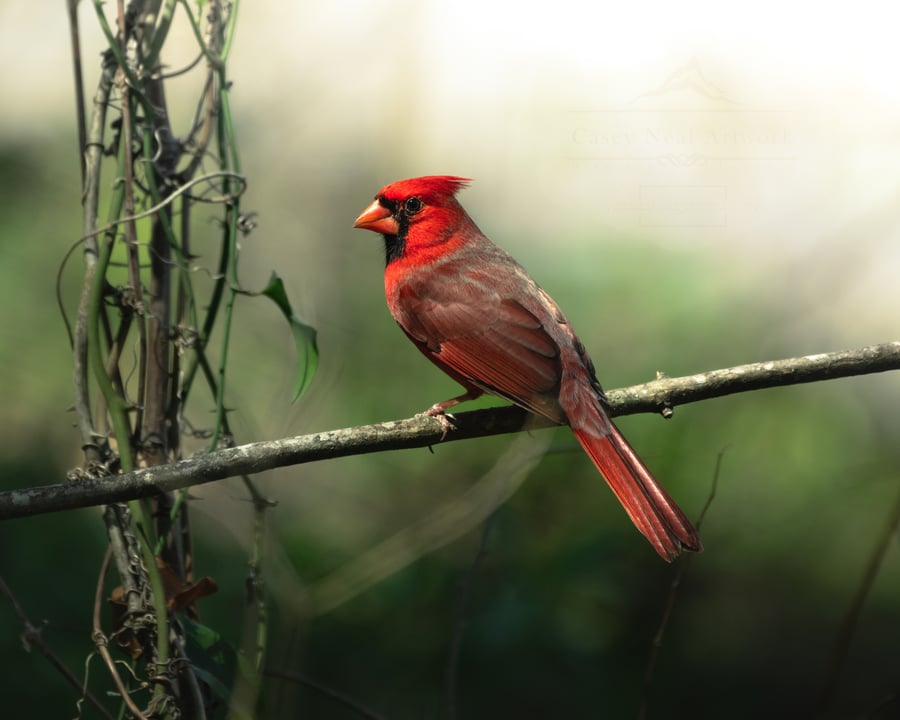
x: 430, y: 186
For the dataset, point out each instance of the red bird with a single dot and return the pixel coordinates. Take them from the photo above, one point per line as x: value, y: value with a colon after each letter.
x: 476, y: 314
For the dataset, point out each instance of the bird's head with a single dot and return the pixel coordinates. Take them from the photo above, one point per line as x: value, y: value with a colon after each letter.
x: 415, y: 213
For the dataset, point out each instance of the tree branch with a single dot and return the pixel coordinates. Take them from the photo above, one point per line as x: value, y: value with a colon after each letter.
x: 660, y: 395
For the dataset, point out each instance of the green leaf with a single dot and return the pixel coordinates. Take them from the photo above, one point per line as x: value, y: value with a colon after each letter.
x: 304, y: 336
x: 214, y: 660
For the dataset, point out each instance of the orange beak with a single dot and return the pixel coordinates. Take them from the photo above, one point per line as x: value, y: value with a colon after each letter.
x: 377, y: 218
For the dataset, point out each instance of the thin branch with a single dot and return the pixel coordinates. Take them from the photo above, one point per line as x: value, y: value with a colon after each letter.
x: 31, y: 638
x: 169, y: 199
x: 674, y: 587
x: 851, y: 617
x: 664, y: 393
x: 328, y: 692
x: 93, y: 158
x: 80, y: 112
x: 660, y: 395
x: 459, y: 627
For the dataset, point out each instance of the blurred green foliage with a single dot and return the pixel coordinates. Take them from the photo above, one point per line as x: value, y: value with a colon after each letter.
x: 563, y: 605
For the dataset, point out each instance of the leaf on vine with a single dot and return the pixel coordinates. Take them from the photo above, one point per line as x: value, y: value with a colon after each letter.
x: 218, y: 664
x: 212, y: 658
x: 304, y: 336
x: 181, y: 595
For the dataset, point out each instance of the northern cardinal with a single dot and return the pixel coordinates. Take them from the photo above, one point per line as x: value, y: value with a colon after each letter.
x: 476, y: 314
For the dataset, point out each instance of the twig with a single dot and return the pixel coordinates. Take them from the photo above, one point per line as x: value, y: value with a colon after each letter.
x: 664, y: 393
x: 80, y: 114
x: 673, y: 594
x: 93, y: 157
x: 227, y: 198
x: 423, y: 431
x: 459, y: 627
x: 31, y: 637
x: 130, y: 227
x: 326, y: 691
x: 248, y: 686
x: 851, y: 617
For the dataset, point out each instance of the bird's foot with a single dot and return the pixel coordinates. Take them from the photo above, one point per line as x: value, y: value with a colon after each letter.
x: 447, y: 421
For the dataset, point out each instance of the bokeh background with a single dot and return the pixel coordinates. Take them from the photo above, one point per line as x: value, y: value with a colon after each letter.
x: 697, y: 188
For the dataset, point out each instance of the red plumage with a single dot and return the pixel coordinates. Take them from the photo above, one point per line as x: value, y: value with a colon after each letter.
x: 474, y: 312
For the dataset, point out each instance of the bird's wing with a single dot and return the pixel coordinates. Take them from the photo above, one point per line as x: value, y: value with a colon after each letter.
x: 474, y: 326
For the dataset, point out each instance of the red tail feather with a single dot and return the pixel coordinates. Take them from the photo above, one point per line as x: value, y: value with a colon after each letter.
x: 648, y: 505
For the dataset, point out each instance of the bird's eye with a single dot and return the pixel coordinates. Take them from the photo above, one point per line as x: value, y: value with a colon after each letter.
x: 412, y: 206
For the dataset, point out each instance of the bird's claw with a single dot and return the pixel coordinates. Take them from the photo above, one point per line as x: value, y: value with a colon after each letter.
x: 447, y: 421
